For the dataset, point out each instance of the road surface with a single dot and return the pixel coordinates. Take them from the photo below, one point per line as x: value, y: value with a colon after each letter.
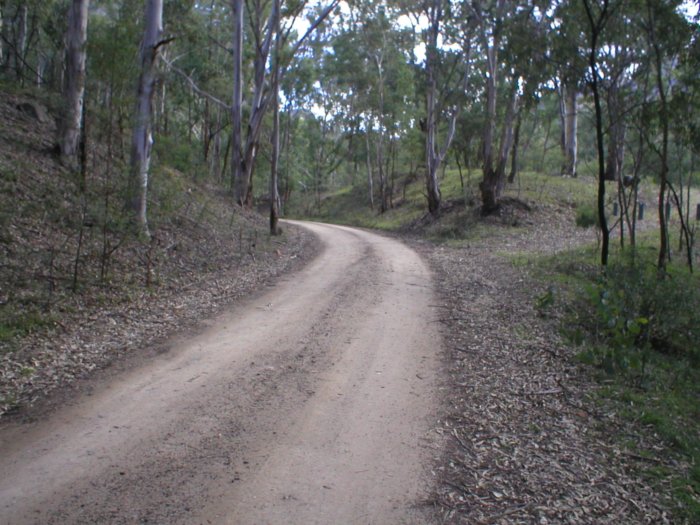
x: 311, y: 403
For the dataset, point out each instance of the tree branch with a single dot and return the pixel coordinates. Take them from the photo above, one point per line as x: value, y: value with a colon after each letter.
x: 194, y: 85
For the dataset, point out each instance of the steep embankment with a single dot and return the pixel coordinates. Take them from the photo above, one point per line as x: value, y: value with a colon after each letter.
x: 77, y: 292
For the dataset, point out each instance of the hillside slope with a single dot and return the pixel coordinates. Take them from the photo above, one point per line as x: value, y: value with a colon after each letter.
x: 76, y: 289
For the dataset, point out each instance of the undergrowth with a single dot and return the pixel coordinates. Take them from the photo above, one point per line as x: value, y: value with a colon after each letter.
x: 638, y: 330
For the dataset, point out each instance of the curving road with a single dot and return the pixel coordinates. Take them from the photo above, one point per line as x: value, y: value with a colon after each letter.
x: 311, y: 403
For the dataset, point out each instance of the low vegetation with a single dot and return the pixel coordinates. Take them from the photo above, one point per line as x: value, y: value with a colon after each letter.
x: 638, y: 333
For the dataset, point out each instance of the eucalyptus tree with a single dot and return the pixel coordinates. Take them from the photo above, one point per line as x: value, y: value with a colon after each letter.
x: 598, y: 17
x: 567, y: 36
x: 263, y: 18
x: 442, y: 81
x: 74, y: 83
x: 371, y: 60
x: 142, y: 138
x: 526, y: 49
x: 504, y: 59
x: 668, y: 35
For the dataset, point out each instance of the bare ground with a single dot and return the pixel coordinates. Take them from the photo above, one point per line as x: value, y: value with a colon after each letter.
x: 311, y: 403
x: 510, y: 432
x: 124, y: 334
x: 525, y: 445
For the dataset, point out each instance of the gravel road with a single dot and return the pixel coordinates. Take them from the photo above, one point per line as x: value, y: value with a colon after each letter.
x: 310, y: 403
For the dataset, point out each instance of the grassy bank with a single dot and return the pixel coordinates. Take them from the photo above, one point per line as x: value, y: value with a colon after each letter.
x: 638, y: 334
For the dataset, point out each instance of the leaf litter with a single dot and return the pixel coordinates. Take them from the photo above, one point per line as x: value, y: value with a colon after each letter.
x: 521, y: 442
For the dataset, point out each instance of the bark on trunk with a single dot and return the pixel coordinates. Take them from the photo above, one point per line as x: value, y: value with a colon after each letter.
x: 663, y: 175
x: 570, y: 131
x: 3, y: 31
x: 370, y: 178
x: 514, y: 156
x: 74, y: 87
x: 142, y: 140
x: 492, y: 183
x: 616, y: 144
x: 259, y: 105
x: 596, y: 25
x: 237, y: 103
x: 507, y: 135
x: 491, y: 186
x: 274, y: 175
x: 435, y: 156
x: 20, y: 42
x: 274, y: 186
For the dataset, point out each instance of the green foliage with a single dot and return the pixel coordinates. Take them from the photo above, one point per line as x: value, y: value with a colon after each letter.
x: 587, y: 216
x: 639, y: 331
x: 631, y: 310
x: 178, y: 154
x: 14, y: 324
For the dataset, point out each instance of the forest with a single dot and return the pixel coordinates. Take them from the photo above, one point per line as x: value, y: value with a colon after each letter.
x: 149, y: 146
x: 270, y: 101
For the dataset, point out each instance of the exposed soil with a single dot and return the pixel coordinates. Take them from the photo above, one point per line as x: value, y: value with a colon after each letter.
x: 524, y: 445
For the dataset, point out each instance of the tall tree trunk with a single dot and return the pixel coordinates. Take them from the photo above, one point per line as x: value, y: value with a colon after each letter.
x: 258, y: 108
x: 20, y: 44
x: 561, y: 104
x: 616, y: 136
x: 515, y: 153
x: 3, y: 31
x: 215, y: 161
x: 74, y: 87
x: 206, y: 131
x: 142, y: 139
x: 491, y: 185
x: 435, y: 156
x: 244, y: 155
x: 287, y: 189
x: 570, y: 130
x: 507, y: 136
x: 370, y: 179
x: 381, y: 169
x: 274, y: 175
x: 274, y: 165
x: 596, y: 25
x: 237, y: 180
x: 663, y: 175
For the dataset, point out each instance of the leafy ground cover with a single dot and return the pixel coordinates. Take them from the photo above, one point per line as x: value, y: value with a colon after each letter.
x: 638, y: 331
x: 77, y: 290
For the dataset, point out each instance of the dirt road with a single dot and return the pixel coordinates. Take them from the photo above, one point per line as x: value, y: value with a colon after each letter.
x: 311, y: 403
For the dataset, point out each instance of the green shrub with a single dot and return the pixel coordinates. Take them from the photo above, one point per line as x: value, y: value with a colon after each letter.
x: 631, y: 310
x: 587, y: 216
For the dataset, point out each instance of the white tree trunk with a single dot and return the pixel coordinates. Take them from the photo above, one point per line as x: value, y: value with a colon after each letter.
x: 507, y: 135
x: 244, y: 155
x: 432, y: 160
x: 21, y: 41
x: 237, y: 102
x: 74, y: 87
x: 370, y: 178
x: 3, y: 31
x: 570, y: 130
x: 142, y: 140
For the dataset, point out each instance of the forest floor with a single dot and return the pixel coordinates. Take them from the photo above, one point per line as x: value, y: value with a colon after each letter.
x: 78, y: 293
x: 508, y: 427
x: 526, y: 443
x: 312, y: 402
